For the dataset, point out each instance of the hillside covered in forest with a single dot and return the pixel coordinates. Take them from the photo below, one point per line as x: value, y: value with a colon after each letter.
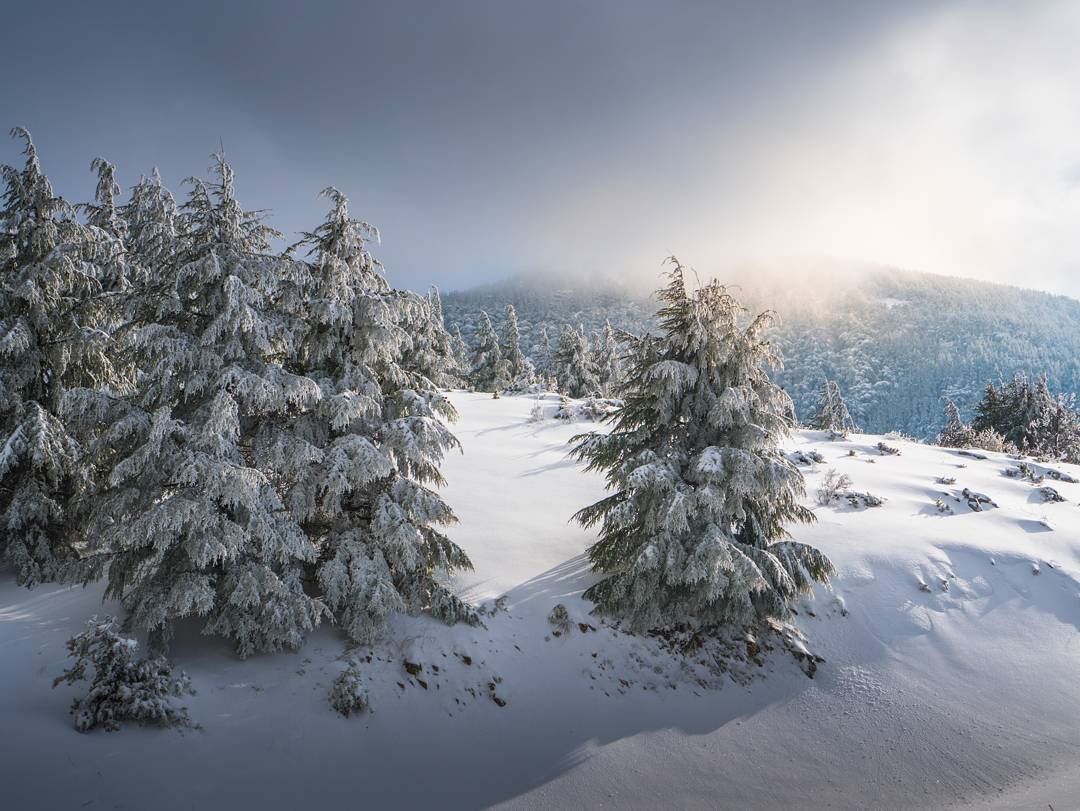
x: 897, y: 342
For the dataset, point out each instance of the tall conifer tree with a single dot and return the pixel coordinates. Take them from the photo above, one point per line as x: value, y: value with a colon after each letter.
x: 694, y: 531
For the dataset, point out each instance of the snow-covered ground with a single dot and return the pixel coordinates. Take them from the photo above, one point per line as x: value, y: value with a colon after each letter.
x: 952, y: 673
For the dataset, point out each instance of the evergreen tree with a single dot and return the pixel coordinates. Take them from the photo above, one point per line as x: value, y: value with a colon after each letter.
x: 51, y: 314
x: 606, y: 360
x: 122, y: 687
x: 694, y: 532
x: 519, y: 368
x: 543, y: 355
x: 362, y: 460
x: 461, y: 356
x: 1054, y: 426
x: 192, y: 522
x: 104, y: 213
x: 429, y: 350
x: 1030, y: 417
x: 1007, y: 409
x: 832, y: 412
x: 955, y: 434
x: 573, y: 366
x: 488, y: 366
x: 150, y: 225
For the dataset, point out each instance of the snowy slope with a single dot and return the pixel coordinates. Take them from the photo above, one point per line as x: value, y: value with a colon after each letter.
x: 961, y: 695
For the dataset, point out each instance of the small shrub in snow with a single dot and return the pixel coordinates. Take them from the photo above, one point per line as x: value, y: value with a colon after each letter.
x: 560, y: 619
x: 887, y: 450
x: 123, y: 688
x: 946, y: 480
x: 864, y: 500
x: 1036, y: 474
x: 833, y: 484
x: 348, y: 693
x: 536, y: 413
x: 977, y: 501
x: 1050, y: 495
x: 591, y: 409
x: 1025, y: 471
x: 807, y: 457
x: 1059, y: 475
x: 942, y: 506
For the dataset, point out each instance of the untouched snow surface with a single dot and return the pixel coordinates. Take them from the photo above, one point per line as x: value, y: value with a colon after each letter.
x: 952, y: 673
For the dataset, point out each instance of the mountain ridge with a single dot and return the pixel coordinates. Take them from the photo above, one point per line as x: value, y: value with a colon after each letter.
x: 897, y: 341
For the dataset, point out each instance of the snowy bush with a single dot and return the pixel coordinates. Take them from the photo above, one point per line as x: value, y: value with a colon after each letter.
x: 694, y: 528
x: 833, y: 484
x: 858, y: 500
x: 592, y: 409
x: 977, y: 502
x: 807, y: 458
x: 122, y: 688
x: 348, y: 694
x: 559, y: 618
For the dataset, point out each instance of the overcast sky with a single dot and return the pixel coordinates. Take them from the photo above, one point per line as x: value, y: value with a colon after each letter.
x: 493, y: 138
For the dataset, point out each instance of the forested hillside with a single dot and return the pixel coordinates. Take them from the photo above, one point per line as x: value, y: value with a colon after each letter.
x: 897, y: 342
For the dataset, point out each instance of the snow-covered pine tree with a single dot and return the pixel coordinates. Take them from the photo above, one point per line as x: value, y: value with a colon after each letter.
x: 955, y: 434
x: 106, y: 216
x: 462, y: 364
x: 150, y: 225
x: 958, y: 434
x: 694, y: 532
x: 362, y: 461
x: 607, y: 361
x: 1055, y: 425
x: 832, y: 412
x: 429, y: 350
x: 543, y: 356
x: 1030, y: 417
x: 519, y: 368
x: 451, y: 371
x: 191, y: 522
x: 488, y: 364
x: 51, y: 314
x: 573, y: 365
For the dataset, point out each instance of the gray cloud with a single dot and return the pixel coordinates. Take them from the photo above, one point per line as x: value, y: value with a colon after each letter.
x: 488, y: 138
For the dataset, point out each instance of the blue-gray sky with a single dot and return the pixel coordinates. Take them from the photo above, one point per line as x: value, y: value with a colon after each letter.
x: 492, y: 138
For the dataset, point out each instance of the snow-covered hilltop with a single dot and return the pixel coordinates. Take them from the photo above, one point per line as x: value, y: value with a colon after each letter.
x: 949, y: 639
x: 896, y: 341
